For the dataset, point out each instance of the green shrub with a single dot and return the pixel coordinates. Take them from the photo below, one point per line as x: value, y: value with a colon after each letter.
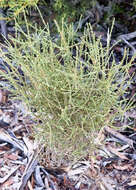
x: 72, y: 104
x: 58, y: 9
x: 70, y: 10
x: 16, y: 7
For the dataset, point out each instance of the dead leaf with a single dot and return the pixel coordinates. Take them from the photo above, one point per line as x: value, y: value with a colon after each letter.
x: 8, y: 183
x: 12, y: 156
x: 1, y: 112
x: 119, y: 136
x: 125, y: 167
x: 3, y: 96
x: 22, y: 169
x: 30, y: 185
x: 132, y: 183
x: 116, y: 152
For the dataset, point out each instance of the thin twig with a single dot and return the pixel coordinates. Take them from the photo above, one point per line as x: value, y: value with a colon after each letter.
x: 3, y: 24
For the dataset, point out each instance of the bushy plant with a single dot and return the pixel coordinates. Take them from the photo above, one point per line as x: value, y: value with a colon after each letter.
x: 16, y: 7
x: 62, y: 8
x: 70, y: 10
x: 74, y: 96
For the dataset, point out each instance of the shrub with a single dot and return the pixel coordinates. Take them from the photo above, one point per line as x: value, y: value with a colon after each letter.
x: 16, y: 7
x: 70, y: 10
x: 73, y: 95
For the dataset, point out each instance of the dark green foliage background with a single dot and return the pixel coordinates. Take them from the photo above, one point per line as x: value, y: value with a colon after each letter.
x: 71, y: 10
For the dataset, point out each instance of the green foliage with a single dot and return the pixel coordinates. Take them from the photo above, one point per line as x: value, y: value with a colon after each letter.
x: 134, y: 3
x: 71, y: 103
x: 62, y: 8
x: 70, y: 9
x: 16, y: 7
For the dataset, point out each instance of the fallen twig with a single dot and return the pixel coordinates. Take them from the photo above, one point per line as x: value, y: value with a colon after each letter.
x: 2, y: 180
x: 126, y: 37
x: 119, y: 136
x: 3, y: 25
x: 28, y: 170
